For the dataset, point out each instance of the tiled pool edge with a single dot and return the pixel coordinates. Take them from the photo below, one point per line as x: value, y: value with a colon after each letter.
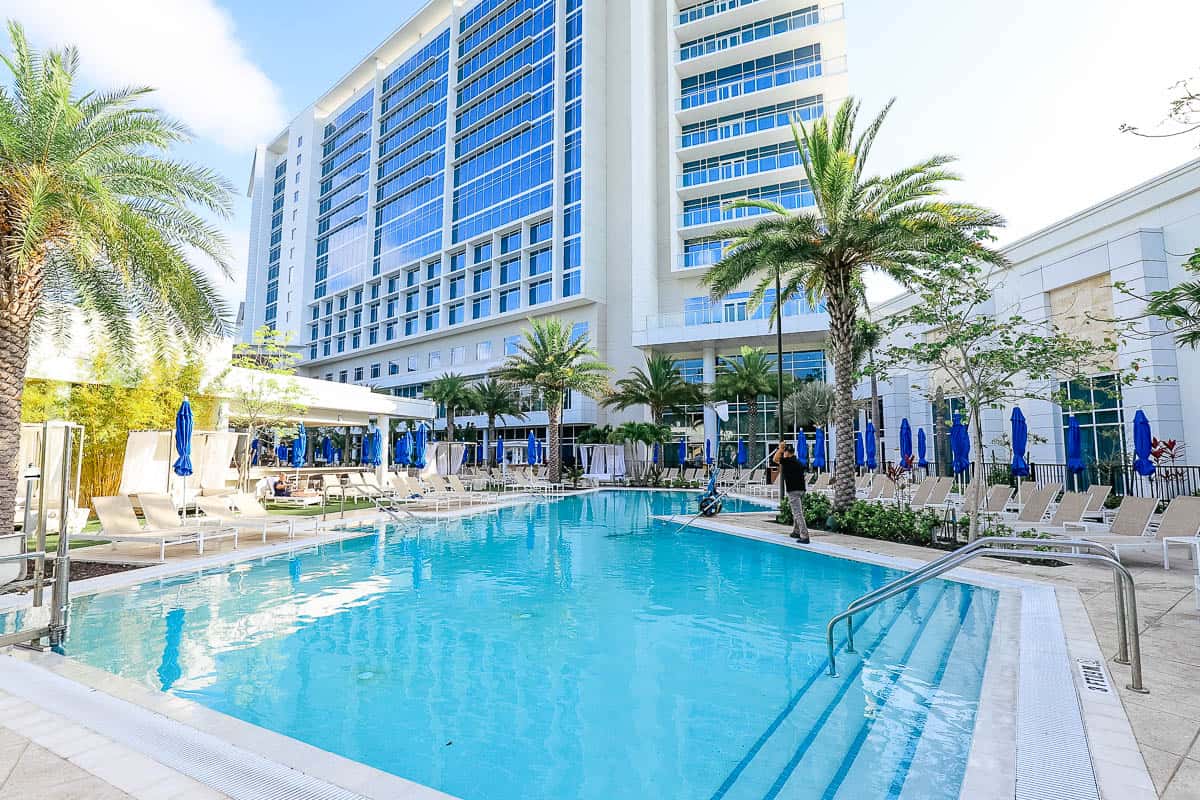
x: 1119, y: 767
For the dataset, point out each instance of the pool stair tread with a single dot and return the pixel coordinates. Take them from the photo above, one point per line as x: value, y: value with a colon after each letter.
x: 775, y: 763
x: 865, y: 703
x: 945, y: 665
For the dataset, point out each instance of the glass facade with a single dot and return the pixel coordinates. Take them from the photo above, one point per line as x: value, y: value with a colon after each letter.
x: 277, y: 197
x: 438, y: 207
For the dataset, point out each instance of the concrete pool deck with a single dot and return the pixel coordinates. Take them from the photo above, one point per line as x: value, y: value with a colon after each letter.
x: 1166, y: 723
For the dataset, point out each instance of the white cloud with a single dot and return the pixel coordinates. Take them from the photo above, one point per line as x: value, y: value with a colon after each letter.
x: 187, y: 49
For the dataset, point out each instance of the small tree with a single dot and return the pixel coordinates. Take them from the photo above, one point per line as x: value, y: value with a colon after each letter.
x: 551, y: 362
x: 495, y: 398
x: 454, y: 393
x: 986, y: 358
x: 660, y: 387
x: 810, y: 404
x: 268, y: 398
x: 745, y: 378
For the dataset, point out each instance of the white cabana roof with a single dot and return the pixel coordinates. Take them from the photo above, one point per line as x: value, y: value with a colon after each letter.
x: 330, y: 403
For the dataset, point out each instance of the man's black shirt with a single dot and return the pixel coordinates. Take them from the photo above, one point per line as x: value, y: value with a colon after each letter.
x: 793, y: 474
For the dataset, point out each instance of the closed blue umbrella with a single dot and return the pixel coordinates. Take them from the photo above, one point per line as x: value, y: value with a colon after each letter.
x: 281, y: 452
x: 327, y: 449
x: 499, y: 449
x: 1074, y: 446
x: 708, y: 452
x: 479, y: 452
x: 869, y: 446
x: 1020, y: 441
x: 960, y: 445
x: 921, y: 450
x: 300, y: 447
x: 377, y: 453
x: 404, y: 450
x: 682, y: 451
x: 531, y: 448
x: 905, y: 441
x: 183, y: 440
x: 364, y: 450
x: 1142, y: 443
x: 742, y: 456
x: 183, y: 445
x: 654, y: 454
x: 418, y: 456
x: 254, y: 452
x: 859, y: 456
x: 802, y: 448
x: 819, y: 448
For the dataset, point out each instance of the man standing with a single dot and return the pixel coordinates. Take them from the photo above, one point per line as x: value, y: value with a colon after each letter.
x: 791, y: 472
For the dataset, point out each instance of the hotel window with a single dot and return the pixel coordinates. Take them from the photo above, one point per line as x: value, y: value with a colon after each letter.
x: 435, y: 359
x: 343, y: 301
x: 458, y: 355
x: 539, y: 292
x: 458, y: 261
x: 510, y: 242
x: 357, y: 319
x: 374, y: 291
x: 372, y: 336
x: 358, y: 297
x: 389, y: 331
x: 299, y: 141
x: 391, y: 308
x: 1096, y: 403
x: 411, y: 277
x: 510, y: 300
x: 458, y: 287
x: 374, y: 370
x: 342, y: 376
x: 456, y: 313
x: 358, y: 374
x: 393, y: 368
x: 393, y: 284
x: 412, y: 301
x: 540, y: 232
x: 411, y: 366
x: 433, y: 295
x: 483, y: 252
x: 481, y: 307
x: 540, y: 263
x: 355, y: 340
x: 482, y: 279
x: 511, y: 345
x: 410, y: 326
x: 483, y: 351
x: 579, y: 329
x: 510, y: 271
x: 432, y: 270
x: 432, y: 320
x: 341, y: 344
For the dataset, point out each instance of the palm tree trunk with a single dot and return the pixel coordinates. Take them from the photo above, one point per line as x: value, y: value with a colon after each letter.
x: 491, y: 453
x: 553, y: 415
x: 752, y: 424
x: 449, y: 424
x: 980, y: 476
x: 840, y: 306
x: 15, y: 326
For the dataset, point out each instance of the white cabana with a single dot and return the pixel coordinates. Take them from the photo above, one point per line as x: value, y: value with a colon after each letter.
x: 446, y: 457
x: 602, y: 463
x: 149, y: 455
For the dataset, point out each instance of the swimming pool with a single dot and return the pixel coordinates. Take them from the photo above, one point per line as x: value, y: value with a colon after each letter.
x: 571, y: 649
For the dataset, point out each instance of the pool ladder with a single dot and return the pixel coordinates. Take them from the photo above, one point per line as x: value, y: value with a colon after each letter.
x: 1129, y: 649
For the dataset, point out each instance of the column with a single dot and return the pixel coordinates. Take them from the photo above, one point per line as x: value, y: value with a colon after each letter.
x: 1044, y: 418
x: 381, y: 472
x: 709, y: 375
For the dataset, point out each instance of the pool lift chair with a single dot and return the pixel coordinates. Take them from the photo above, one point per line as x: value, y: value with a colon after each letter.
x: 39, y: 625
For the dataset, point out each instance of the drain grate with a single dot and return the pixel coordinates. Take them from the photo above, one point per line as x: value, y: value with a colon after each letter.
x: 231, y: 770
x: 1095, y: 679
x: 1053, y: 759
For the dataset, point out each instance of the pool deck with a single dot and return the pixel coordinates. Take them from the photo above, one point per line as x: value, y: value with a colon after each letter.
x: 44, y: 754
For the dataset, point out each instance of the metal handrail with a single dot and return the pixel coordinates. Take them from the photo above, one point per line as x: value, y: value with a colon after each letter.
x: 1129, y: 645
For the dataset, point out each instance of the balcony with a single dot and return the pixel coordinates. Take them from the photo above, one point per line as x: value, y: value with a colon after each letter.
x: 759, y: 36
x: 755, y: 90
x: 702, y: 221
x: 686, y: 331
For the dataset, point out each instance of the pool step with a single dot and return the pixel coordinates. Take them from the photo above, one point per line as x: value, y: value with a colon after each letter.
x: 780, y: 761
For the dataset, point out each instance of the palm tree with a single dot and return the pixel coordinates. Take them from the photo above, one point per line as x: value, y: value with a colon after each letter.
x: 660, y: 387
x: 455, y: 393
x: 744, y: 378
x: 551, y: 362
x: 809, y: 406
x: 95, y: 215
x: 496, y: 398
x: 867, y: 337
x: 896, y: 224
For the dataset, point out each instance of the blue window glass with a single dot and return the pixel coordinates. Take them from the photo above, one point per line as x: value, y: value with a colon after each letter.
x: 458, y: 261
x: 510, y: 300
x: 456, y: 314
x: 482, y: 279
x: 512, y: 345
x: 541, y: 231
x: 458, y: 287
x: 572, y: 283
x: 510, y: 242
x: 410, y: 326
x: 481, y: 307
x: 540, y: 262
x: 510, y: 271
x: 540, y: 292
x: 433, y: 295
x: 483, y: 252
x: 432, y: 320
x: 412, y: 301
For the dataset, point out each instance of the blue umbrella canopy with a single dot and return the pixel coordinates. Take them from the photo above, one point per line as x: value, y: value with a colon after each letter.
x: 1142, y: 443
x: 742, y: 457
x: 870, y: 448
x: 364, y: 450
x: 404, y: 449
x: 327, y: 449
x: 254, y: 452
x: 500, y: 449
x: 802, y: 448
x: 531, y: 448
x: 858, y: 449
x: 905, y: 441
x: 376, y: 437
x: 654, y: 454
x: 682, y: 451
x: 708, y: 452
x: 300, y: 447
x: 183, y: 439
x: 479, y: 452
x: 1074, y: 445
x: 960, y: 445
x: 1020, y: 441
x: 281, y: 451
x: 819, y: 448
x: 921, y: 462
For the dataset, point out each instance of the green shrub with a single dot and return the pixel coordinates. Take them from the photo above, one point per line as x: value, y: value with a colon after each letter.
x: 888, y: 523
x: 817, y: 509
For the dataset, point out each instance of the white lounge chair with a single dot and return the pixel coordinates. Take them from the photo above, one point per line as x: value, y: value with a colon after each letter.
x: 1128, y: 528
x: 161, y: 513
x: 1181, y: 519
x: 118, y: 524
x: 250, y: 515
x: 1068, y: 514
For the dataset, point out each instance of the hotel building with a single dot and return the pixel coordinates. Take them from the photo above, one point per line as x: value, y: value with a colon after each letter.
x: 497, y: 160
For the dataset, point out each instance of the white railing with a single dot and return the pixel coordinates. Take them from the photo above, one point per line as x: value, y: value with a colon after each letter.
x: 758, y: 83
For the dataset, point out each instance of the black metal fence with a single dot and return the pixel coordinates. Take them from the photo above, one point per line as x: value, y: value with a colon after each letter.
x: 1169, y: 480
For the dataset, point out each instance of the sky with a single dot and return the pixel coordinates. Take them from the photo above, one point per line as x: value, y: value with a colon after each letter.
x: 1029, y: 94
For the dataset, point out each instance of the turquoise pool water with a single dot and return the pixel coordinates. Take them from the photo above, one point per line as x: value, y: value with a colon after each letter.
x: 571, y: 649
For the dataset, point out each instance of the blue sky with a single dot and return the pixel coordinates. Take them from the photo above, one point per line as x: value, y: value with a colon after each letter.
x: 1029, y: 94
